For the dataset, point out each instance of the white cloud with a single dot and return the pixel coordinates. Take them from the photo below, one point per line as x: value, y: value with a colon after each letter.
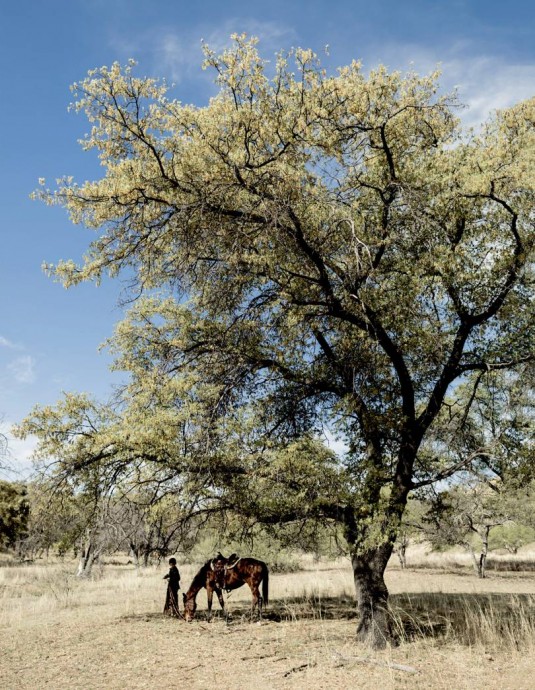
x: 177, y: 57
x: 272, y: 35
x: 178, y: 54
x: 4, y: 342
x: 18, y: 462
x: 485, y: 83
x: 23, y: 369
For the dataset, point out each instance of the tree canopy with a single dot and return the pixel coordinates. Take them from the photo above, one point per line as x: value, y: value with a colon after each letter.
x: 312, y: 251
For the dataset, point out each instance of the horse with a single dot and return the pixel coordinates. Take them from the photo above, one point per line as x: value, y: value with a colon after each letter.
x: 228, y: 574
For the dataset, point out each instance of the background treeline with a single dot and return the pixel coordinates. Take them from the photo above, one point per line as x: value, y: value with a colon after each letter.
x: 38, y: 520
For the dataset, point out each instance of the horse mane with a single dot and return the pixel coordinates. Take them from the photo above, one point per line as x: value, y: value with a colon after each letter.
x: 199, y: 579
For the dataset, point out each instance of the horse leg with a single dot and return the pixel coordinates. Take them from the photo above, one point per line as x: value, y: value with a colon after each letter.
x: 257, y: 601
x: 222, y: 603
x: 220, y: 599
x: 209, y: 595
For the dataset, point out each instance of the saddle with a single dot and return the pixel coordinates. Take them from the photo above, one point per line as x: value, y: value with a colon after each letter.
x: 220, y: 566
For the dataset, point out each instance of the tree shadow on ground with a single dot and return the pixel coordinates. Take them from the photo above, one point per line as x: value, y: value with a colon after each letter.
x: 466, y: 618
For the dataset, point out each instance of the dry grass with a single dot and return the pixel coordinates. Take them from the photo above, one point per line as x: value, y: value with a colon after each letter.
x: 455, y: 632
x: 420, y: 556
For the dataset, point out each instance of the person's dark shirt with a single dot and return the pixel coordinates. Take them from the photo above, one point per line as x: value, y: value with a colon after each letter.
x: 173, y: 576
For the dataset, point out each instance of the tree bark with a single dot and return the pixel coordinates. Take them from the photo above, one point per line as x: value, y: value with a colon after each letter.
x: 375, y: 625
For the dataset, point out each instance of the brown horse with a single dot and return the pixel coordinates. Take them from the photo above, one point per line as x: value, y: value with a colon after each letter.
x: 228, y: 574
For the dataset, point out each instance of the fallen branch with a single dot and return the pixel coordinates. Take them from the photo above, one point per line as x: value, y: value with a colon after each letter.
x: 257, y: 656
x: 191, y: 668
x: 295, y: 669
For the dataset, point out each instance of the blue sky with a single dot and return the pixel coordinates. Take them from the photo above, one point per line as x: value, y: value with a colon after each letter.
x: 50, y: 337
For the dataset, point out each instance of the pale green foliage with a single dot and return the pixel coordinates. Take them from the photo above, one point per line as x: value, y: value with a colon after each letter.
x: 487, y: 427
x: 288, y: 484
x: 502, y: 419
x: 70, y: 424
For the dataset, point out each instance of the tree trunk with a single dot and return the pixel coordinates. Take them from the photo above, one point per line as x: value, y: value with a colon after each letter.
x: 401, y: 550
x: 369, y: 561
x: 375, y: 627
x: 482, y: 566
x: 147, y: 547
x: 88, y: 557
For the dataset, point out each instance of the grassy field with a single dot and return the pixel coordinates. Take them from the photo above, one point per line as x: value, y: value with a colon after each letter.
x: 456, y: 631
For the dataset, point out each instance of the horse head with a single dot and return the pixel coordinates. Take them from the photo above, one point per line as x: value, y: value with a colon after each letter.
x: 190, y: 606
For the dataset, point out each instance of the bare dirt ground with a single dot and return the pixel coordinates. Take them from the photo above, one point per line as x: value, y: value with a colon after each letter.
x: 58, y: 632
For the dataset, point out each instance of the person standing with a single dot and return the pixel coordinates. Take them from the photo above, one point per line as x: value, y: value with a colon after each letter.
x: 171, y: 599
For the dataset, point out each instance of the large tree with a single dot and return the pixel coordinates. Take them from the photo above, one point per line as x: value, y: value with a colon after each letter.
x: 335, y: 252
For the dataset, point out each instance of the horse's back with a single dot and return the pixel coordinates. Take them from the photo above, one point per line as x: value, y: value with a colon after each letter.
x: 252, y: 567
x: 252, y: 561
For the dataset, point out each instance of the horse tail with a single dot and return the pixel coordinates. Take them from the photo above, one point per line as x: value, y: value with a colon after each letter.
x: 265, y: 584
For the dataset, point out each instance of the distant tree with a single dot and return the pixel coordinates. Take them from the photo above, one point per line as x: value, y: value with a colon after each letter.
x: 411, y: 529
x: 51, y: 522
x: 151, y: 524
x: 466, y: 515
x: 336, y: 252
x: 511, y: 536
x: 65, y: 518
x: 14, y: 511
x: 519, y: 503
